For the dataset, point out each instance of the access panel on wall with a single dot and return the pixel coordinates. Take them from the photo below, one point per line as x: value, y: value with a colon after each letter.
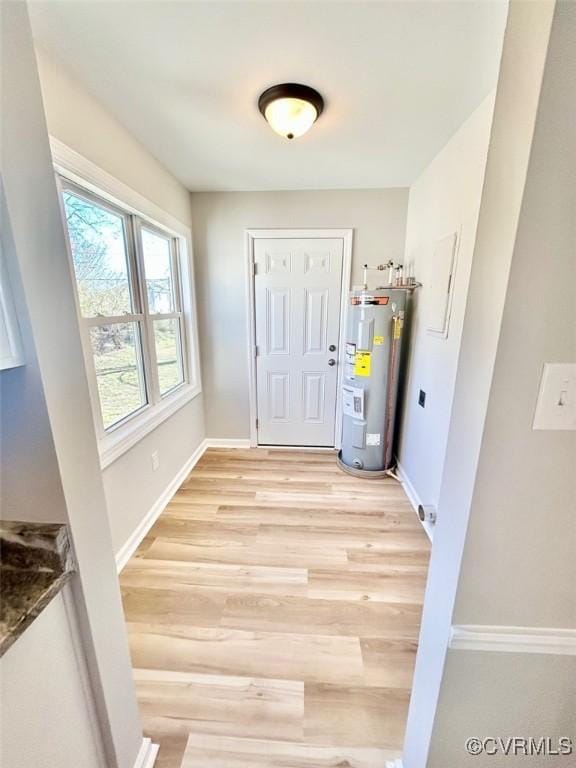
x: 297, y: 292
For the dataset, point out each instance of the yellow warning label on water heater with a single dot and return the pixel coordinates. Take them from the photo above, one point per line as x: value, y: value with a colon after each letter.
x: 362, y: 363
x: 378, y: 341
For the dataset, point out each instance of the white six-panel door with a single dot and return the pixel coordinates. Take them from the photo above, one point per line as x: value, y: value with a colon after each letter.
x: 297, y: 292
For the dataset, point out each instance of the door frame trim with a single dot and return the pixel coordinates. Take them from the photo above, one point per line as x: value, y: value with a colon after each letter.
x: 251, y: 235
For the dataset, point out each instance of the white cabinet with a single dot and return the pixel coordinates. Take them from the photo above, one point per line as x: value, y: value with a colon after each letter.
x: 47, y: 711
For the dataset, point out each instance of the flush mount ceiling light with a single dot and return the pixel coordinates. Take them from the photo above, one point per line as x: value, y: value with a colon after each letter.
x: 291, y: 109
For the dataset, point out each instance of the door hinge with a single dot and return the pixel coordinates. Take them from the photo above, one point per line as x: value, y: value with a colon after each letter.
x: 256, y: 423
x: 255, y: 267
x: 256, y: 350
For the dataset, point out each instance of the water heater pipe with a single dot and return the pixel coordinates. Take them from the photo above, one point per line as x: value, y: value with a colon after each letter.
x: 389, y: 416
x: 366, y: 267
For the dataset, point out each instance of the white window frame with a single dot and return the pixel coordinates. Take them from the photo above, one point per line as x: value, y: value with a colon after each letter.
x: 74, y: 170
x: 150, y: 318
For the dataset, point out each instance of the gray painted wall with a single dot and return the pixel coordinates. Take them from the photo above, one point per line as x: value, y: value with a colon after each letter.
x: 219, y: 222
x: 77, y: 119
x: 491, y: 695
x: 30, y: 485
x: 517, y: 97
x: 519, y: 566
x: 443, y: 200
x: 39, y: 245
x: 130, y: 484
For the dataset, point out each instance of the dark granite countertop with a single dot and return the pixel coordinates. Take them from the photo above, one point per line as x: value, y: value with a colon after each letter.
x: 35, y: 563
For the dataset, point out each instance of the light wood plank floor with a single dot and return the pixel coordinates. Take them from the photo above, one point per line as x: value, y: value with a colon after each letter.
x: 273, y: 615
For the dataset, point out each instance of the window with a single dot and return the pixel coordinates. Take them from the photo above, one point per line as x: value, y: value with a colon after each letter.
x: 129, y: 281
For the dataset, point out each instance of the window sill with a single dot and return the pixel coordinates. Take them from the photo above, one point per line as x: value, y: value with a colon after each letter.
x: 116, y: 444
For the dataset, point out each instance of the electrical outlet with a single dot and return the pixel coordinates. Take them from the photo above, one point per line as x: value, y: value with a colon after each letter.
x: 155, y: 460
x: 422, y: 398
x: 556, y: 406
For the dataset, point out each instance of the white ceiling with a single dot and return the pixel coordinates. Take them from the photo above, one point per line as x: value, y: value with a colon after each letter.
x: 184, y: 77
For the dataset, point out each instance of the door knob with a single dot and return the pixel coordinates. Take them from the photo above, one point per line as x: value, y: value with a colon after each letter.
x: 332, y: 348
x: 331, y: 362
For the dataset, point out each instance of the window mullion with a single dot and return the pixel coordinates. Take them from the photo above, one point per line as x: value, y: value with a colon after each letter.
x: 175, y: 251
x: 92, y: 378
x: 148, y: 329
x: 184, y: 341
x: 183, y: 348
x: 139, y: 299
x: 133, y: 265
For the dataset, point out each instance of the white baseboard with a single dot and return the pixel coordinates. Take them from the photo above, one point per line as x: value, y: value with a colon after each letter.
x: 222, y: 442
x: 481, y: 637
x: 299, y: 448
x: 132, y: 543
x: 413, y: 497
x: 147, y: 754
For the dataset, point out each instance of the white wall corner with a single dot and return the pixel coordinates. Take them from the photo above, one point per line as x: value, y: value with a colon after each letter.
x: 133, y: 541
x: 413, y: 498
x: 147, y: 754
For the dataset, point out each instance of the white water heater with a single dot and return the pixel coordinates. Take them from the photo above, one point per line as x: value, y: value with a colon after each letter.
x: 375, y: 332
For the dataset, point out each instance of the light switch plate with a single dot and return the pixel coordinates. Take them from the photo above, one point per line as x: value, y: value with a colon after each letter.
x: 556, y: 406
